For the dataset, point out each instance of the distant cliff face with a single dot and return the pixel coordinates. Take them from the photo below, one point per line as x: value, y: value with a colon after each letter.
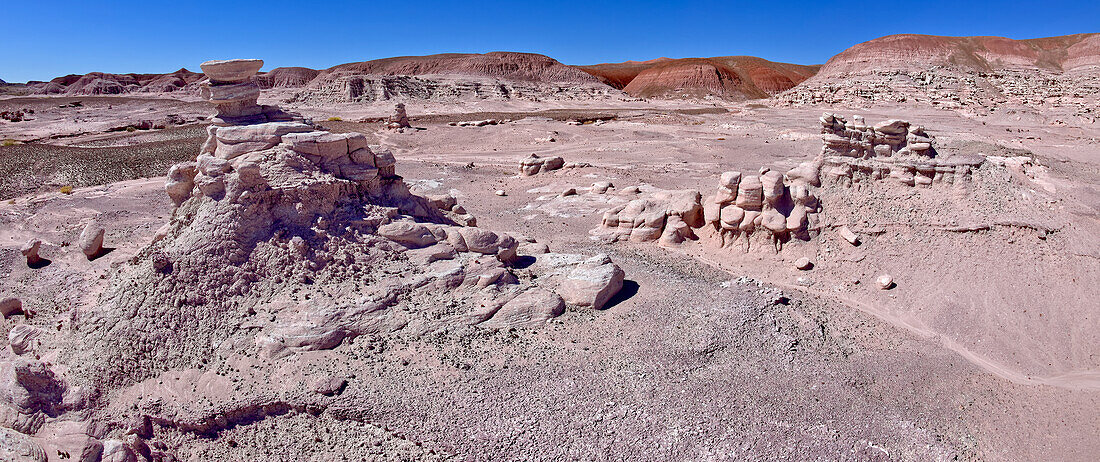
x: 959, y: 72
x: 735, y: 77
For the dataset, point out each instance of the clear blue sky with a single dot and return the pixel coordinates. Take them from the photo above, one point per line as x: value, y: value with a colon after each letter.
x: 41, y: 40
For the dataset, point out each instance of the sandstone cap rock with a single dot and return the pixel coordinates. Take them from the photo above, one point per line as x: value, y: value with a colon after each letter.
x: 231, y: 70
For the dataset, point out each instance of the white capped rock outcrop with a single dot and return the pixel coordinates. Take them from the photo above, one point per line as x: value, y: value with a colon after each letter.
x: 400, y: 118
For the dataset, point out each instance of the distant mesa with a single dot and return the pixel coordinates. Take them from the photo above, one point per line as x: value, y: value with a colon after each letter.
x: 911, y: 51
x: 528, y: 67
x: 454, y: 76
x: 735, y: 77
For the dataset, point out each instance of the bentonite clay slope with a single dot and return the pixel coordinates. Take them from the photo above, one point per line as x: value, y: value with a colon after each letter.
x: 498, y: 64
x: 286, y: 77
x: 496, y: 75
x: 980, y: 73
x: 99, y: 83
x: 739, y: 77
x: 911, y: 51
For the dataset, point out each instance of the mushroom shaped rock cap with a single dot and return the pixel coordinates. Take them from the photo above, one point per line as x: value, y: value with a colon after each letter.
x: 231, y: 70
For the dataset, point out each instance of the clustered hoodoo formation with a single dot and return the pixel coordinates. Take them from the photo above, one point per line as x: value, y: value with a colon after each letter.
x: 785, y: 206
x: 309, y: 238
x: 894, y: 149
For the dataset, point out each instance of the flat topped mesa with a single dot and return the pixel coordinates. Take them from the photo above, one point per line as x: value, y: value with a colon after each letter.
x: 234, y: 94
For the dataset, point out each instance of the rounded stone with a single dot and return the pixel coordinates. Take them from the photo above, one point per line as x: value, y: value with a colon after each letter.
x: 803, y: 263
x: 885, y: 282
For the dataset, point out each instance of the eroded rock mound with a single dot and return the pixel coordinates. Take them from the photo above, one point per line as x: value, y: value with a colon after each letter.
x: 286, y: 239
x: 733, y: 77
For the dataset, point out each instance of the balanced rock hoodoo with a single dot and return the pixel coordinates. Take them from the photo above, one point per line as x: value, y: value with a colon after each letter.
x: 316, y: 231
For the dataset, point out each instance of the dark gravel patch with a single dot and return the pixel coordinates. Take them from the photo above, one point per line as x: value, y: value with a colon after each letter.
x: 34, y: 167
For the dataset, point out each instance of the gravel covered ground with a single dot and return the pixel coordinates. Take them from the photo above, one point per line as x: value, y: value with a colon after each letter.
x: 36, y: 168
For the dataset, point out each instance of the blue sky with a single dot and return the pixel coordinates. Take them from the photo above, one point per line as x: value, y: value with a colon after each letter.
x: 44, y: 40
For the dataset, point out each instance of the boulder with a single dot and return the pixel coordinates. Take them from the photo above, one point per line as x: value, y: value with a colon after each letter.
x: 10, y: 306
x: 15, y: 446
x: 117, y: 451
x: 181, y: 182
x: 848, y: 235
x: 91, y: 240
x: 30, y: 251
x: 318, y: 143
x: 531, y: 308
x: 408, y: 234
x: 593, y: 282
x: 750, y: 193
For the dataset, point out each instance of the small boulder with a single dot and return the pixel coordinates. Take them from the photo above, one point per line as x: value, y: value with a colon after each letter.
x: 848, y: 235
x: 30, y: 251
x: 10, y: 306
x: 804, y: 264
x: 91, y: 240
x: 885, y: 282
x: 23, y: 338
x: 593, y: 282
x: 330, y: 386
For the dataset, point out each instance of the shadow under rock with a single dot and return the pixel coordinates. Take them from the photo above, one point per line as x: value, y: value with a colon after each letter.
x: 101, y: 253
x: 629, y: 290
